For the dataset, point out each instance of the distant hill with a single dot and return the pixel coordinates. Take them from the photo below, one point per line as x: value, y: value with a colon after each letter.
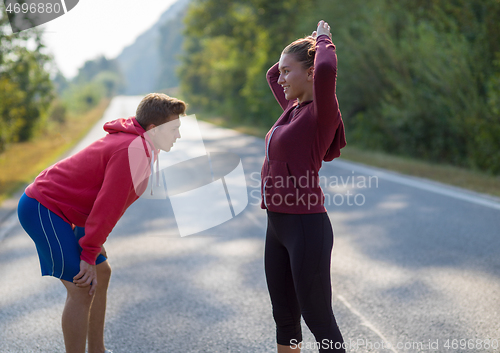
x: 149, y: 63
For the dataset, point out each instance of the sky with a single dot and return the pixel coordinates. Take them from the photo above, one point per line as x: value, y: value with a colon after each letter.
x: 96, y: 27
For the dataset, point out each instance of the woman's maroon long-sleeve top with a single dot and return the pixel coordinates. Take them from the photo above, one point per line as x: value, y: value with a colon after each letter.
x: 302, y: 137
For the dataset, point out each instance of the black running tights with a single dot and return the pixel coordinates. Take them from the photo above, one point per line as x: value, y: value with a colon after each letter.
x: 297, y: 263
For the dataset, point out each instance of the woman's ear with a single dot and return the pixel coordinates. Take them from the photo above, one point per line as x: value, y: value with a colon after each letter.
x: 310, y: 73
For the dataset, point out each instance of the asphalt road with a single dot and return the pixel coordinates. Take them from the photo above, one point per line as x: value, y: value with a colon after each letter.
x: 415, y: 268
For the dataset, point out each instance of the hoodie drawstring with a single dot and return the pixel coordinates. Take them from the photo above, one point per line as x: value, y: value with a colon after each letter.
x: 153, y: 172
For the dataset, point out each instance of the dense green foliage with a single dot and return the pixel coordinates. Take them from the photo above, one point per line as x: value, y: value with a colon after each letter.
x: 29, y: 98
x: 25, y: 86
x: 418, y: 78
x: 229, y: 46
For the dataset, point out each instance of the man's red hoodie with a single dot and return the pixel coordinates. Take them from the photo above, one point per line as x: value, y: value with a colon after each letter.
x: 94, y: 187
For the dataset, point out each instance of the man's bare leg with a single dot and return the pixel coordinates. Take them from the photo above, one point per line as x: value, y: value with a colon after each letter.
x: 98, y: 310
x: 75, y: 317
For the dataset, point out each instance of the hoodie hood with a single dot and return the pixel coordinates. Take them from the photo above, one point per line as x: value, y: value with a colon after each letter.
x: 128, y: 125
x: 141, y: 152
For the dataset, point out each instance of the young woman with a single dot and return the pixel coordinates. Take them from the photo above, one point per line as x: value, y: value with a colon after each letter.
x: 71, y: 207
x: 299, y: 237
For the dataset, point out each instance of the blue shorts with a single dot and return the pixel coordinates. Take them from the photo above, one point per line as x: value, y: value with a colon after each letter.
x: 55, y: 240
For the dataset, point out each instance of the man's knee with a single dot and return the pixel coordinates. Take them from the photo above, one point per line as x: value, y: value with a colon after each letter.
x: 78, y: 294
x: 103, y: 272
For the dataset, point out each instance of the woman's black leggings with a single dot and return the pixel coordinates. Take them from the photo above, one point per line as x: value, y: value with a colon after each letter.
x: 297, y: 262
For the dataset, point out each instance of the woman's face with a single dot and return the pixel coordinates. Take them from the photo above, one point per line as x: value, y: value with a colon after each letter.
x: 295, y: 79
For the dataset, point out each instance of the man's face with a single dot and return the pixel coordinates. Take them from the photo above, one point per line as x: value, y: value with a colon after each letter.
x: 165, y: 135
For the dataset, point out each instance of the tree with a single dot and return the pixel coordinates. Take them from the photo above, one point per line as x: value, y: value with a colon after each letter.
x: 92, y: 68
x: 228, y: 48
x: 415, y: 77
x: 97, y: 79
x: 420, y: 78
x: 25, y: 87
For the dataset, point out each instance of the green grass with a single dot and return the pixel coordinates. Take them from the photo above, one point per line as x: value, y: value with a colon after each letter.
x: 22, y: 162
x: 448, y: 174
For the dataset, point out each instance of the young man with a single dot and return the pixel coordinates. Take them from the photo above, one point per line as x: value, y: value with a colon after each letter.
x: 72, y: 206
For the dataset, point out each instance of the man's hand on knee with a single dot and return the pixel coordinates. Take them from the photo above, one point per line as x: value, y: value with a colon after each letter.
x: 86, y: 277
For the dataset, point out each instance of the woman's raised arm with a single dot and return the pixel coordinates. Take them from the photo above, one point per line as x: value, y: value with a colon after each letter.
x: 272, y: 76
x: 325, y: 77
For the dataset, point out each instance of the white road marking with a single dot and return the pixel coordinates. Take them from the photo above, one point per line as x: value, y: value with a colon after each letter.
x: 422, y: 184
x: 365, y: 322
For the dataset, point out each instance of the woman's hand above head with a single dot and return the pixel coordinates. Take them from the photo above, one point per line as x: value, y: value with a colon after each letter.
x: 323, y: 28
x: 86, y: 277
